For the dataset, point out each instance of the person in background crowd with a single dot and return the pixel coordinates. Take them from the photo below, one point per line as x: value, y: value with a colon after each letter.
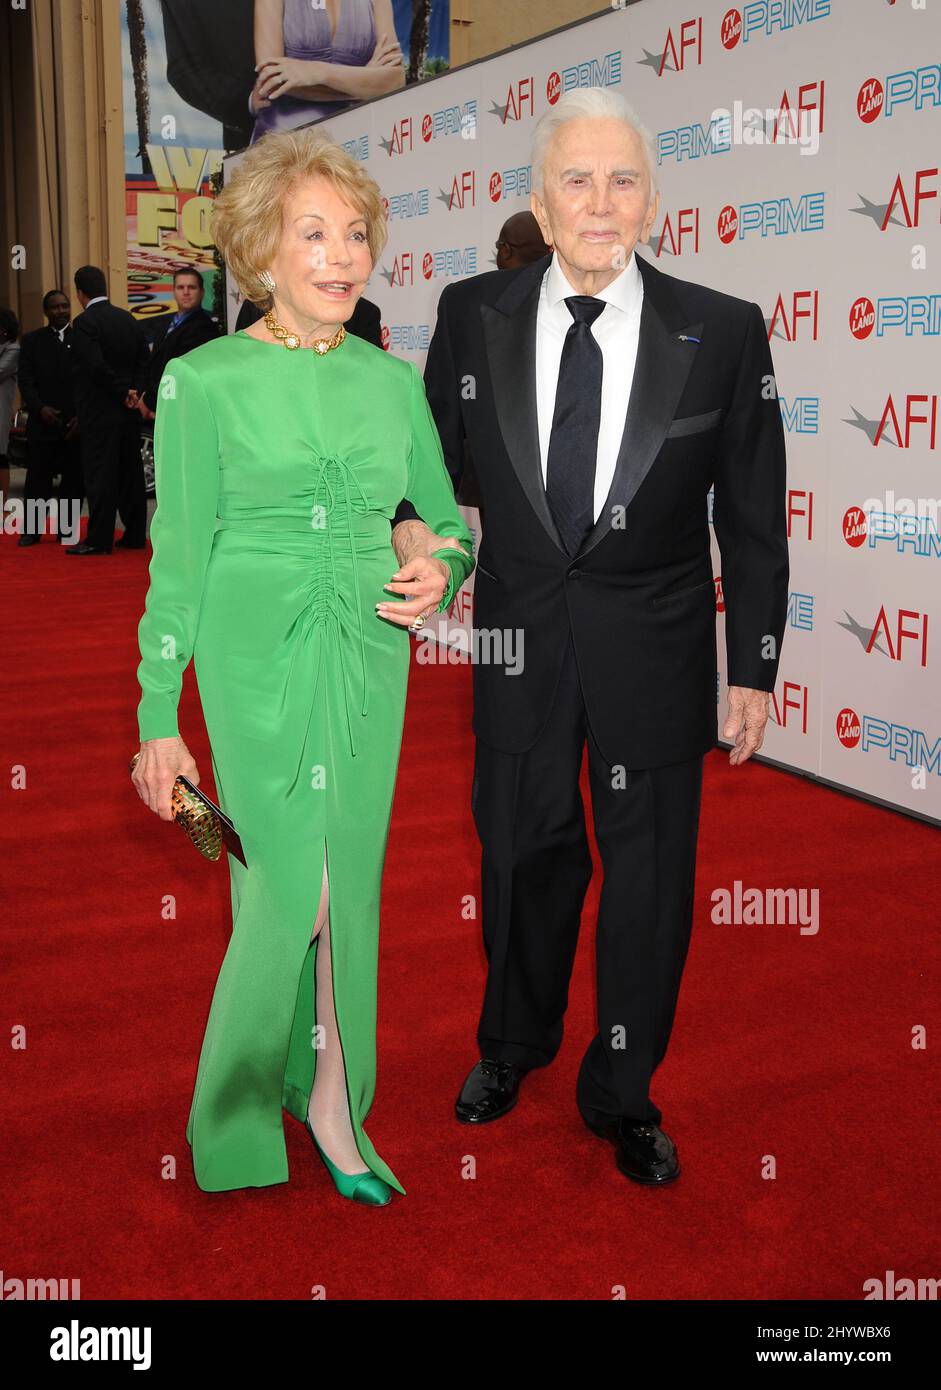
x: 109, y: 353
x: 52, y: 426
x: 175, y: 334
x: 9, y: 363
x: 520, y: 242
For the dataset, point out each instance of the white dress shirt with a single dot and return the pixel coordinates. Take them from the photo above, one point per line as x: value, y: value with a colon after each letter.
x: 616, y: 330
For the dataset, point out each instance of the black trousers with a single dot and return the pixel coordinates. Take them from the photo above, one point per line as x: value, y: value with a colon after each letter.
x: 535, y: 870
x: 114, y: 478
x: 44, y: 459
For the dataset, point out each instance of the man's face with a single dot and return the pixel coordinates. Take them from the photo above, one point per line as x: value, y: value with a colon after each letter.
x: 188, y: 293
x: 58, y: 311
x: 595, y: 203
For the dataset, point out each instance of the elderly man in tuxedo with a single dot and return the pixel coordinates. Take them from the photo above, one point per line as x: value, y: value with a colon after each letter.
x: 601, y: 399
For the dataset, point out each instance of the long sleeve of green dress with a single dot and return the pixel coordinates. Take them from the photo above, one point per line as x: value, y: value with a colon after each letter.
x: 186, y: 473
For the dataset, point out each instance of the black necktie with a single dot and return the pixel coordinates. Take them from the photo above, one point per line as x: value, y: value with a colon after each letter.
x: 573, y: 441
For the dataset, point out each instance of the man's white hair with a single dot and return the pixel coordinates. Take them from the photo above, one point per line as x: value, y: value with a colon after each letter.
x: 594, y: 103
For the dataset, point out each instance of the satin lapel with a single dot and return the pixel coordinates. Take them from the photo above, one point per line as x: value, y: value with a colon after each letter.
x: 665, y: 356
x: 510, y: 335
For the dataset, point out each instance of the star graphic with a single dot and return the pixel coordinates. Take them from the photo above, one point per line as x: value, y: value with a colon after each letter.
x: 653, y: 60
x: 863, y: 633
x: 869, y: 427
x: 876, y: 212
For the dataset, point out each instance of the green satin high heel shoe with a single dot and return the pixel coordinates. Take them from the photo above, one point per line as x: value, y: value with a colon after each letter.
x: 365, y: 1187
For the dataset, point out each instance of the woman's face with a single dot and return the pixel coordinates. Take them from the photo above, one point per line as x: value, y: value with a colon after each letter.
x: 323, y: 262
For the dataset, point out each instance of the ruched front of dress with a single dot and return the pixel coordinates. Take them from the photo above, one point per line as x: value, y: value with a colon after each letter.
x: 278, y: 474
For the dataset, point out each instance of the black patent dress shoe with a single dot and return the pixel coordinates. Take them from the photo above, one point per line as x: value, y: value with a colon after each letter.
x: 491, y: 1090
x: 642, y: 1152
x: 29, y: 540
x: 83, y: 548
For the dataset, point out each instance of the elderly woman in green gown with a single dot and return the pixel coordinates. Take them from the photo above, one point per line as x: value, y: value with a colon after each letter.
x: 281, y: 454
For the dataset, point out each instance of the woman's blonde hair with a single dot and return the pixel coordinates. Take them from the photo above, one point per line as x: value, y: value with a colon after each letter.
x: 247, y: 218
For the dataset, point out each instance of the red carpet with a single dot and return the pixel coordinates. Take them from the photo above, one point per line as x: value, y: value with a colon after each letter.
x: 788, y: 1046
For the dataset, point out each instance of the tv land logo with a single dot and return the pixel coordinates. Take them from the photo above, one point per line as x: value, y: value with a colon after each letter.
x: 404, y: 206
x: 917, y: 87
x: 772, y: 217
x: 910, y: 314
x: 907, y: 422
x: 767, y: 18
x: 696, y: 141
x: 870, y: 734
x: 510, y: 183
x: 909, y: 532
x: 520, y: 101
x: 593, y: 72
x: 888, y: 639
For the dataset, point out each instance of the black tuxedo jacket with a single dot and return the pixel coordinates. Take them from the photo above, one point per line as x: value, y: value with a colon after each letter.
x: 639, y: 597
x: 45, y: 378
x: 198, y: 328
x: 109, y: 355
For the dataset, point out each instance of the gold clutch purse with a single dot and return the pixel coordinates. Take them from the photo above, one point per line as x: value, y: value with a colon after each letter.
x: 207, y: 826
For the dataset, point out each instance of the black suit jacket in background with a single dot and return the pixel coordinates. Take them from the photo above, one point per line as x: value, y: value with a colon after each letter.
x: 210, y: 48
x: 639, y: 597
x: 365, y: 320
x: 109, y: 355
x: 197, y: 328
x: 45, y: 378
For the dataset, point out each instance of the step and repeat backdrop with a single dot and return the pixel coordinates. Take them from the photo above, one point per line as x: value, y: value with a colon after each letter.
x: 797, y: 149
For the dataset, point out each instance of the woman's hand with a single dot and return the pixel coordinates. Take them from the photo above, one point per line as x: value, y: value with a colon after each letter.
x: 424, y: 580
x: 386, y: 52
x: 161, y: 761
x: 277, y: 77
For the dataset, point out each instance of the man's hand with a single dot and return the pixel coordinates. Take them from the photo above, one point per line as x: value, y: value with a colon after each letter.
x: 745, y: 722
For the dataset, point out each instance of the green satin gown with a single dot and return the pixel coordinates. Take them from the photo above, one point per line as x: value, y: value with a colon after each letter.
x: 277, y: 475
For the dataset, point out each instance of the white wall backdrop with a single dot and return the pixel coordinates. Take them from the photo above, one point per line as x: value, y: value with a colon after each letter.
x: 834, y: 233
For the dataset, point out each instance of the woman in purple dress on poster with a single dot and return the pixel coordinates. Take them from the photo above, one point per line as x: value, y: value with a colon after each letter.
x: 313, y: 57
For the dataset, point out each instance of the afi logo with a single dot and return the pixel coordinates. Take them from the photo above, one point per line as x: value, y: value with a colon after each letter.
x: 690, y: 36
x: 917, y: 634
x: 792, y: 118
x: 906, y: 203
x: 804, y: 304
x: 793, y: 697
x: 899, y: 429
x: 403, y: 270
x: 401, y: 139
x: 685, y: 224
x: 461, y: 185
x: 800, y: 505
x: 520, y: 98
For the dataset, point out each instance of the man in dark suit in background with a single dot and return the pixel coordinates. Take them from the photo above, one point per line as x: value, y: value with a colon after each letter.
x: 171, y: 335
x: 52, y: 440
x: 609, y: 398
x: 109, y: 354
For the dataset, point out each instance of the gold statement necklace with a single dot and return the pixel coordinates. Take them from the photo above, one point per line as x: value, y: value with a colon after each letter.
x: 293, y: 341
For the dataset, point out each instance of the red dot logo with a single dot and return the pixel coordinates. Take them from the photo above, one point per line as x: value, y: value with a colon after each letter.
x: 426, y: 128
x: 720, y: 596
x: 496, y: 187
x: 553, y: 88
x: 862, y: 317
x: 427, y: 265
x: 384, y: 337
x: 727, y: 225
x: 869, y: 100
x: 854, y: 527
x: 848, y: 728
x: 731, y: 30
